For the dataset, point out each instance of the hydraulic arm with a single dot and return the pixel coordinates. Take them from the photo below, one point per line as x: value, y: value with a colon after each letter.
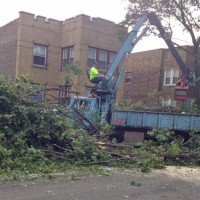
x: 134, y: 37
x: 106, y: 98
x: 153, y: 19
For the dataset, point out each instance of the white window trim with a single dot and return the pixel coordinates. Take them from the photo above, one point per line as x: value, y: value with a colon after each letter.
x: 112, y: 56
x: 96, y: 58
x: 67, y: 54
x: 95, y: 53
x: 169, y: 102
x: 171, y: 77
x: 45, y: 56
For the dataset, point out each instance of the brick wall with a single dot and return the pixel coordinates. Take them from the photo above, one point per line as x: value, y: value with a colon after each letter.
x: 16, y: 53
x: 148, y: 75
x: 146, y: 70
x: 80, y: 32
x: 8, y: 49
x: 42, y: 31
x: 83, y: 31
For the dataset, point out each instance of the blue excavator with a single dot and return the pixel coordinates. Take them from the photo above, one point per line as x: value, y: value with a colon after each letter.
x: 99, y: 109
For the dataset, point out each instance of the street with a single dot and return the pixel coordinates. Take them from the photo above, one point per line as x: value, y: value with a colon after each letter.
x: 171, y: 183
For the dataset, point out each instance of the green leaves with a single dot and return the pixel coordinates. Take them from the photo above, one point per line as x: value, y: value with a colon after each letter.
x: 162, y: 135
x: 34, y: 138
x: 71, y: 70
x: 32, y: 134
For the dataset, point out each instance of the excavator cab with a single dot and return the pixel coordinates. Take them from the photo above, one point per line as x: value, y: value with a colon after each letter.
x: 181, y: 90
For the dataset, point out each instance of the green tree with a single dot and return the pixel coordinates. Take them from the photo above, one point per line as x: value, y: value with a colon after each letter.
x: 187, y: 15
x: 73, y: 71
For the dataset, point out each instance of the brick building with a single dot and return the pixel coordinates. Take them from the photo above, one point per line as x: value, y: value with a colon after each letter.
x: 154, y: 71
x: 43, y: 47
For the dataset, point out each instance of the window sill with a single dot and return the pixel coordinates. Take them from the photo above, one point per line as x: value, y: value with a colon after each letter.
x: 128, y: 83
x: 39, y: 67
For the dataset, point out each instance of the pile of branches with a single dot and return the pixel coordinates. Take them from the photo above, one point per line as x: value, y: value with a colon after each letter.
x: 164, y: 148
x: 32, y: 132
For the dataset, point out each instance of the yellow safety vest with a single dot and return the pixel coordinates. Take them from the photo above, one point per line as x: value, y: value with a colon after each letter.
x: 93, y: 73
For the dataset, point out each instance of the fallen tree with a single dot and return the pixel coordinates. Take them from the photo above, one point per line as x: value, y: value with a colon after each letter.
x: 36, y: 135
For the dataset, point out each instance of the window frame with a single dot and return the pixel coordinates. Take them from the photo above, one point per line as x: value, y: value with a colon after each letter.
x: 103, y: 65
x: 169, y: 103
x: 41, y: 56
x: 128, y: 79
x: 111, y: 56
x: 91, y: 57
x: 172, y: 78
x: 102, y: 61
x: 70, y: 56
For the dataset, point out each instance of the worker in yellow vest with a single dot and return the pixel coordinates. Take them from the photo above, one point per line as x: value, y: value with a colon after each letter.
x: 96, y: 77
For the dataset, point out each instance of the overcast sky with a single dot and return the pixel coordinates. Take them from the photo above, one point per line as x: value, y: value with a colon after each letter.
x: 113, y: 10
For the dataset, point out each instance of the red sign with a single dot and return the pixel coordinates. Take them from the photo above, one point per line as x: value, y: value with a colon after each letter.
x: 181, y: 93
x: 119, y: 120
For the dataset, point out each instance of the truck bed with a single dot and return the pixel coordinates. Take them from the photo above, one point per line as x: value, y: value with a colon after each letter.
x: 150, y: 120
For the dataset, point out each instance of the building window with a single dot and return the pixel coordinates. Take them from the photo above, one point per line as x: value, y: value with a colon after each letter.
x: 92, y: 54
x: 171, y: 77
x: 40, y: 55
x: 67, y: 56
x: 111, y: 57
x: 169, y: 102
x: 128, y: 77
x: 102, y: 57
x: 102, y: 63
x: 64, y: 95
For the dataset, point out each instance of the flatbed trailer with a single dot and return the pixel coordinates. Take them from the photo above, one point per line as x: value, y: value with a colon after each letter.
x: 148, y: 120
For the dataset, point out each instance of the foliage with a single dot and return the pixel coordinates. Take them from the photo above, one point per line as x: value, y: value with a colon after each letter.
x: 157, y: 95
x: 190, y: 108
x: 176, y: 148
x: 136, y: 184
x: 38, y: 138
x: 106, y: 128
x: 162, y: 135
x: 194, y: 143
x: 32, y: 134
x: 184, y: 11
x: 173, y: 150
x: 127, y: 104
x: 138, y: 106
x: 72, y: 70
x: 124, y: 104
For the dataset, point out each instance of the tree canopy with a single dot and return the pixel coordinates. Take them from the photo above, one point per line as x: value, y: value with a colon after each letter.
x: 185, y: 12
